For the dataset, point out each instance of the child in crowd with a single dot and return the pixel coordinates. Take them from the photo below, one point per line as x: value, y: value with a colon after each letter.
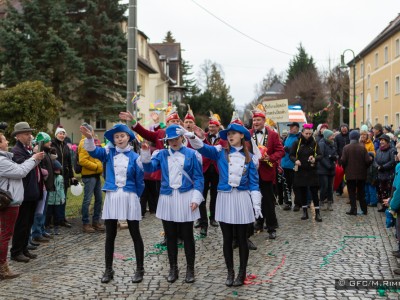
x: 56, y: 199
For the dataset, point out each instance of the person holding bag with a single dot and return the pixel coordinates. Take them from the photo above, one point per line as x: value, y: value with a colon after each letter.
x: 11, y: 175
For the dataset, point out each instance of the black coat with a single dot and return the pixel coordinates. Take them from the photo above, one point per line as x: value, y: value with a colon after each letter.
x: 385, y: 163
x: 306, y: 174
x: 327, y: 164
x: 65, y: 159
x: 47, y: 164
x: 341, y: 140
x: 33, y: 190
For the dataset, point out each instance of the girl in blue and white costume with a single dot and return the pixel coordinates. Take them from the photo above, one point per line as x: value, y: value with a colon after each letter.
x: 181, y: 193
x: 123, y: 186
x: 239, y: 198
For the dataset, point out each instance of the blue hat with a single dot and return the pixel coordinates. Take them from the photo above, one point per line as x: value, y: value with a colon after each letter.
x: 170, y: 132
x: 57, y: 165
x: 109, y: 134
x: 235, y: 127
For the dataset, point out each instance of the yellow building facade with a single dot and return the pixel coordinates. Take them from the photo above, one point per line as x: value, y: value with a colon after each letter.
x: 377, y: 87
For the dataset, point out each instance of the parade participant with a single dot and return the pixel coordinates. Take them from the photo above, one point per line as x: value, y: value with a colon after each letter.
x: 355, y: 160
x: 238, y: 193
x: 211, y: 175
x: 123, y: 186
x: 326, y: 169
x: 65, y: 159
x: 263, y: 136
x: 288, y: 165
x: 182, y: 185
x: 305, y: 154
x: 189, y: 120
x: 11, y: 179
x: 385, y: 164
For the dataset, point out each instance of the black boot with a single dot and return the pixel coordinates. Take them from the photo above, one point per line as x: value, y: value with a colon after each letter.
x: 107, y: 276
x: 138, y: 276
x: 305, y: 214
x: 317, y: 215
x: 231, y: 277
x: 173, y: 273
x: 189, y: 274
x: 240, y: 277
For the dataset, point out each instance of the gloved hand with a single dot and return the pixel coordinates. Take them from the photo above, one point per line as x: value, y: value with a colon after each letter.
x: 182, y: 131
x: 257, y: 212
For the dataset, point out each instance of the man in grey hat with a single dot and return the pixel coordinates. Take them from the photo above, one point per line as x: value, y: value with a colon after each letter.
x: 33, y: 192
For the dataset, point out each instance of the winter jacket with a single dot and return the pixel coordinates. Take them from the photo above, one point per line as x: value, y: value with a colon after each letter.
x: 65, y: 159
x: 33, y: 181
x: 395, y: 201
x: 327, y: 164
x: 286, y: 162
x: 341, y: 140
x: 12, y: 173
x: 47, y: 164
x: 385, y: 163
x: 57, y: 197
x: 369, y: 146
x: 355, y: 160
x: 307, y: 173
x: 90, y: 166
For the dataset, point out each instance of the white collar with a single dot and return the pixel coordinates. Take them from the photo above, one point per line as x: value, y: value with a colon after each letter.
x: 126, y: 149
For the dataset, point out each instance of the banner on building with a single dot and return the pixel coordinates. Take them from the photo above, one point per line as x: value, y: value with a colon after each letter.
x: 277, y: 110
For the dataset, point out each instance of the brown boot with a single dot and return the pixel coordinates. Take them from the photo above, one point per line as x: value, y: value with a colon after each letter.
x: 6, y: 273
x: 98, y: 227
x: 87, y: 228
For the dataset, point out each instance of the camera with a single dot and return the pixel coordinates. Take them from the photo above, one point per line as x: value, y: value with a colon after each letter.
x: 3, y: 125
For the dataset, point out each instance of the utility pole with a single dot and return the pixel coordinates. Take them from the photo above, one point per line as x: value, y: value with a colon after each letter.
x: 132, y: 58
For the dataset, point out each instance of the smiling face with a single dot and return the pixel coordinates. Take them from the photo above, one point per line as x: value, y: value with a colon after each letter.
x: 175, y: 143
x: 212, y: 129
x: 383, y: 143
x: 235, y: 138
x: 258, y: 123
x: 121, y: 139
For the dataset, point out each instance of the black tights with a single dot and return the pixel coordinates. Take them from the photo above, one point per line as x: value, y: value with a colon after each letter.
x: 185, y: 231
x: 111, y: 233
x: 241, y: 235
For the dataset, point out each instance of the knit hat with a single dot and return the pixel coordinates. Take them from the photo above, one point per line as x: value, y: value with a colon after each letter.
x: 364, y: 129
x: 388, y: 128
x: 354, y: 135
x: 57, y: 166
x: 327, y: 133
x: 324, y: 125
x: 43, y: 137
x: 88, y: 126
x: 344, y: 125
x: 59, y: 129
x: 378, y: 126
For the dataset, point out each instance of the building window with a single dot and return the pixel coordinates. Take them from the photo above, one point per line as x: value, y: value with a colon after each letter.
x: 142, y: 83
x: 362, y: 69
x: 376, y: 60
x: 386, y: 90
x: 397, y: 120
x: 397, y: 45
x: 397, y: 84
x: 376, y: 120
x: 101, y: 124
x: 386, y: 120
x: 361, y: 99
x: 368, y: 81
x: 386, y: 55
x: 376, y: 93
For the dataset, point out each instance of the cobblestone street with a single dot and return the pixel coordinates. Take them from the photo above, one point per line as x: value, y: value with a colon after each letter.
x: 302, y: 263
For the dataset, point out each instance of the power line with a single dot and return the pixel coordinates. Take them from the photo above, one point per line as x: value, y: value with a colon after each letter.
x: 241, y: 32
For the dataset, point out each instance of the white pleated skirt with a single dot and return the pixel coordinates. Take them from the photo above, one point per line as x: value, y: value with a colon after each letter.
x: 234, y: 207
x: 122, y: 205
x: 176, y: 207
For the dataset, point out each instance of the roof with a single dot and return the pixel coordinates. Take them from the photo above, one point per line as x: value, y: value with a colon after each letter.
x: 391, y: 29
x: 146, y: 65
x: 170, y: 50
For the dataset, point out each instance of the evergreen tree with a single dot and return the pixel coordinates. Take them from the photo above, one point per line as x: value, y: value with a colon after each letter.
x: 301, y: 63
x: 102, y: 45
x: 35, y: 46
x: 169, y: 38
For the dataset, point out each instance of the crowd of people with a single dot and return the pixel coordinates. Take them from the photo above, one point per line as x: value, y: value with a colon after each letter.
x: 170, y: 170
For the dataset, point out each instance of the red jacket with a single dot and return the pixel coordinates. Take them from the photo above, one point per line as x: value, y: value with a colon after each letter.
x: 206, y: 161
x: 275, y: 152
x: 153, y: 136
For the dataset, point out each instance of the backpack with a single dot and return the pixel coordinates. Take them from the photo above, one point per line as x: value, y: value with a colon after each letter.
x: 77, y: 166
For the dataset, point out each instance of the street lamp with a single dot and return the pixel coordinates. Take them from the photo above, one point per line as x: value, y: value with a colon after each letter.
x: 344, y: 66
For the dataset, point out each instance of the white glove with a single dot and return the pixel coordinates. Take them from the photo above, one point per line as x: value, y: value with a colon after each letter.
x: 256, y: 199
x: 145, y: 156
x: 182, y: 131
x: 256, y: 154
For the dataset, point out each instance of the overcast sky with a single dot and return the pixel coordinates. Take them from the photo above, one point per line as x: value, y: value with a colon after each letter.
x: 325, y: 28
